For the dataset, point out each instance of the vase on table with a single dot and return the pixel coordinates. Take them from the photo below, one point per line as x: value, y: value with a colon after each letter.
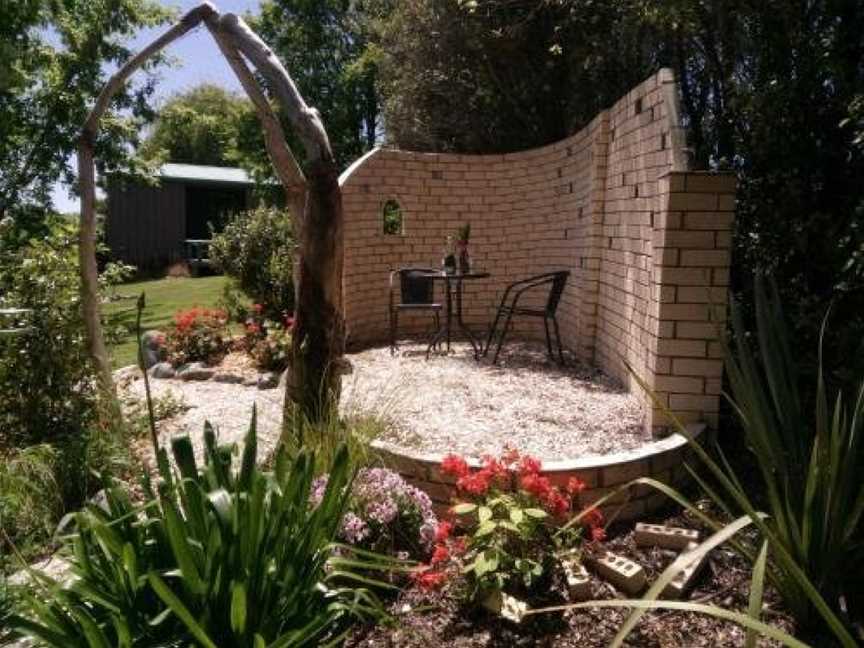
x: 448, y: 259
x: 464, y: 258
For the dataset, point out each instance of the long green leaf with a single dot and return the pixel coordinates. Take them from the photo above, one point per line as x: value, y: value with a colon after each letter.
x: 172, y: 601
x: 757, y: 587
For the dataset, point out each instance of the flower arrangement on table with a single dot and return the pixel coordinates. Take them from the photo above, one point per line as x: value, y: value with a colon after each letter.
x: 508, y: 532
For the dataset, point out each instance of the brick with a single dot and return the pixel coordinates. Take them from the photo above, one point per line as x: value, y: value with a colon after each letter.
x: 718, y: 221
x: 683, y: 582
x: 695, y: 202
x: 697, y: 403
x: 621, y: 572
x: 709, y: 368
x: 622, y: 473
x: 702, y: 295
x: 679, y: 384
x: 685, y: 239
x: 666, y: 537
x: 682, y: 348
x: 506, y: 606
x: 578, y: 581
x: 711, y: 183
x: 704, y: 258
x: 685, y: 312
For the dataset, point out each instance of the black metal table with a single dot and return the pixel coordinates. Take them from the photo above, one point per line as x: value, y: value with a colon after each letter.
x: 450, y: 280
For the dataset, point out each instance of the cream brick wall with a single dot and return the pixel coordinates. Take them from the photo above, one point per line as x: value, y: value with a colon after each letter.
x: 647, y: 243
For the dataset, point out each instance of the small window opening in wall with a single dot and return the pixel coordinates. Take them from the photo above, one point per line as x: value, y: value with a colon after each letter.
x: 662, y: 141
x: 636, y: 187
x: 391, y: 214
x: 638, y: 105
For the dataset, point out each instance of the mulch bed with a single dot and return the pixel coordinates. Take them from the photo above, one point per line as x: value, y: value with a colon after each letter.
x: 435, y: 619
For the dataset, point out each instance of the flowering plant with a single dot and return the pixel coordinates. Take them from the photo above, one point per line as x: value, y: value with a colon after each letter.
x: 266, y: 341
x: 385, y: 514
x: 198, y: 334
x: 511, y: 514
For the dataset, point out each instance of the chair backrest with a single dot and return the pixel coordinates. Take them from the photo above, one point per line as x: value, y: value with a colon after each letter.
x: 559, y: 281
x: 415, y: 286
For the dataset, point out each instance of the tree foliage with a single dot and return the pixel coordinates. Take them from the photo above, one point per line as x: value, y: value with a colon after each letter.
x: 54, y: 57
x: 324, y: 43
x: 204, y: 125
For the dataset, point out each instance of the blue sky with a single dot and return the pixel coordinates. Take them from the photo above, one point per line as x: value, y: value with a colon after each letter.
x: 197, y: 61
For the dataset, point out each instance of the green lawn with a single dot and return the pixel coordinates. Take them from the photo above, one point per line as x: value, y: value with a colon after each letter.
x: 164, y: 297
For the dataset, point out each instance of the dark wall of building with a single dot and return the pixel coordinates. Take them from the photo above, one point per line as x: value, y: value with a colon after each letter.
x: 146, y: 226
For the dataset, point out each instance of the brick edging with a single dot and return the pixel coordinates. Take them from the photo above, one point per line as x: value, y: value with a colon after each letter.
x: 661, y: 459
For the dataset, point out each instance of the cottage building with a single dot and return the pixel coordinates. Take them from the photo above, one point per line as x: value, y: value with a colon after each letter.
x: 153, y: 226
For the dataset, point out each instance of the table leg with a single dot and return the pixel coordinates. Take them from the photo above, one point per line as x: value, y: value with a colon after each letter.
x: 475, y: 345
x: 449, y: 309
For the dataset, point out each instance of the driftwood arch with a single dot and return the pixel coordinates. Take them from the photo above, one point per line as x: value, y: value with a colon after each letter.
x: 314, y: 199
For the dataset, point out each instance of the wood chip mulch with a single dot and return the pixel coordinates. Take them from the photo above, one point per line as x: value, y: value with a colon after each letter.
x: 435, y: 619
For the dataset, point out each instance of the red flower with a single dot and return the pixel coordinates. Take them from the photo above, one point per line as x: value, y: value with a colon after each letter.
x: 535, y: 484
x: 258, y: 308
x: 556, y: 503
x: 439, y: 555
x: 454, y: 465
x: 442, y: 532
x: 598, y: 534
x: 289, y: 323
x: 475, y: 483
x: 575, y: 486
x: 593, y: 517
x: 430, y: 580
x: 510, y: 456
x: 529, y: 465
x: 495, y: 468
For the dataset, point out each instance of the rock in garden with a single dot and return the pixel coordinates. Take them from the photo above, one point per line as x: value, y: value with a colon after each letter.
x: 162, y: 370
x: 623, y: 573
x: 152, y: 343
x: 195, y: 371
x: 227, y: 377
x: 268, y: 380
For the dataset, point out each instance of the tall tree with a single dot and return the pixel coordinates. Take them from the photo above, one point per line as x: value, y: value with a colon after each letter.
x: 204, y: 125
x: 53, y: 59
x: 323, y: 43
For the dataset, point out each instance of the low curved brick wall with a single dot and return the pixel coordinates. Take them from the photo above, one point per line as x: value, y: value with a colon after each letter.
x: 662, y: 460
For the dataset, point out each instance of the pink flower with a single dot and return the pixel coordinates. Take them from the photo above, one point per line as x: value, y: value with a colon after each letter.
x: 529, y: 465
x: 575, y: 486
x: 439, y: 555
x: 598, y: 534
x: 442, y: 532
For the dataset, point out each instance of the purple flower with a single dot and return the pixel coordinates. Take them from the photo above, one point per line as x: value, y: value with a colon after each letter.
x: 354, y: 530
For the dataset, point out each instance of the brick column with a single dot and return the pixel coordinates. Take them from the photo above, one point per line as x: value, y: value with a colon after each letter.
x: 692, y: 237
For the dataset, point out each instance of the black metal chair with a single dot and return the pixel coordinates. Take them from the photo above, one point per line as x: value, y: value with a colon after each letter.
x: 510, y: 307
x: 416, y: 292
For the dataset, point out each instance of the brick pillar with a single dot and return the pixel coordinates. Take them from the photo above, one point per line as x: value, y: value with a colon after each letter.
x: 692, y: 237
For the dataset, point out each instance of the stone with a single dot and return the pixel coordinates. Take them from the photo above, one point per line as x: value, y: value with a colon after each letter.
x: 268, y: 380
x: 228, y: 377
x: 658, y: 535
x: 152, y: 343
x: 684, y: 580
x: 162, y: 370
x: 506, y: 606
x: 250, y: 382
x: 578, y: 581
x: 195, y: 371
x: 621, y: 572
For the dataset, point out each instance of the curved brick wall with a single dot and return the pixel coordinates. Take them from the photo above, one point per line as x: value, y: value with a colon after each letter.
x: 646, y: 241
x: 662, y: 460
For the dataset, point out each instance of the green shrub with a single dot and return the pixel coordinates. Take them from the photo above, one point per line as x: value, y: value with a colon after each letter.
x: 256, y: 248
x: 30, y: 497
x: 219, y: 558
x: 198, y: 335
x: 48, y: 393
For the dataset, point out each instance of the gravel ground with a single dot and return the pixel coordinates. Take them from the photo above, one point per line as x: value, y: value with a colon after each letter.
x: 453, y: 404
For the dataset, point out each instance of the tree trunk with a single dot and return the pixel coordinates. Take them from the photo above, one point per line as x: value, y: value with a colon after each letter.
x: 318, y: 336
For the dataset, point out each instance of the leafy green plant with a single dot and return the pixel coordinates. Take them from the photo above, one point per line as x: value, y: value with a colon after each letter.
x: 30, y: 499
x: 216, y: 556
x: 256, y: 249
x: 508, y: 511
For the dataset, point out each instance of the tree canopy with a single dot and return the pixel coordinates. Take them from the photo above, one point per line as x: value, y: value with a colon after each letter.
x: 54, y: 58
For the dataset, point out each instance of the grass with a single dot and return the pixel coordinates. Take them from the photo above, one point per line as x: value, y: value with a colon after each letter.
x: 164, y: 298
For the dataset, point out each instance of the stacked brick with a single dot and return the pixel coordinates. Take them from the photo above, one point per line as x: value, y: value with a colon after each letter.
x: 647, y: 242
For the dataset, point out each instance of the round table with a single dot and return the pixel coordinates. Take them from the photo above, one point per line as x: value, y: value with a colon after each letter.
x: 450, y: 280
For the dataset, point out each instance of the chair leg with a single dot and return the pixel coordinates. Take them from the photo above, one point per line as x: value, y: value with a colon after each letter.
x: 394, y: 325
x: 503, y: 335
x: 491, y: 333
x: 548, y: 339
x: 558, y: 340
